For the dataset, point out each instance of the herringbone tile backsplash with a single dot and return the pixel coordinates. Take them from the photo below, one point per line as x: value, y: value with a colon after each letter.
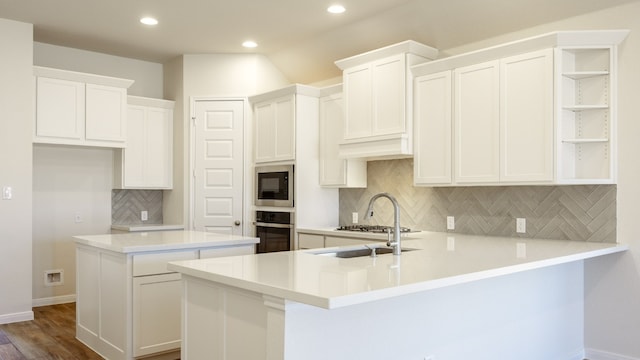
x: 126, y: 206
x: 580, y: 212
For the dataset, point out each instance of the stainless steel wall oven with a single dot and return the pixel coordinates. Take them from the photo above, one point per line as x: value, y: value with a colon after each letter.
x: 275, y: 230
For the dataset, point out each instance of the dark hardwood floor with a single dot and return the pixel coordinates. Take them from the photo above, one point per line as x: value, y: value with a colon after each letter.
x: 51, y: 335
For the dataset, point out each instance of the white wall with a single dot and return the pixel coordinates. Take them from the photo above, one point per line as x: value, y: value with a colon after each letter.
x: 212, y: 75
x: 147, y: 75
x: 16, y: 123
x: 67, y: 181
x: 612, y: 284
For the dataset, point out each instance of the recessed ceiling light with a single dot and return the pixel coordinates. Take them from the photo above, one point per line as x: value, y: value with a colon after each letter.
x: 249, y: 44
x: 336, y: 9
x: 149, y: 21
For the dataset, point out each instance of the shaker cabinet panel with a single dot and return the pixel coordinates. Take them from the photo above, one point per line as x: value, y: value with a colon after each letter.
x: 358, y: 108
x: 389, y: 96
x: 476, y: 117
x: 156, y: 313
x: 275, y: 129
x: 526, y: 117
x: 433, y: 129
x: 60, y: 109
x: 106, y: 113
x: 147, y: 161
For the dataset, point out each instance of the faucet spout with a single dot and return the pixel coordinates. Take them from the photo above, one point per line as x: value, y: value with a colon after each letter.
x: 395, y: 244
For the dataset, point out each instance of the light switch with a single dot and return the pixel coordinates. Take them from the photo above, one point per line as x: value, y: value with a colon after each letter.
x: 7, y: 193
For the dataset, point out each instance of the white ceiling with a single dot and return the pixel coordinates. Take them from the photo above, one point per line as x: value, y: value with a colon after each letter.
x: 299, y: 36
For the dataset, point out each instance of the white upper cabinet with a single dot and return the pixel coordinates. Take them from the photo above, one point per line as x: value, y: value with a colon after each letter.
x: 147, y: 161
x: 545, y: 115
x: 59, y: 109
x: 334, y: 171
x: 476, y: 123
x: 80, y: 109
x: 275, y: 129
x: 432, y: 129
x: 526, y: 117
x: 378, y: 96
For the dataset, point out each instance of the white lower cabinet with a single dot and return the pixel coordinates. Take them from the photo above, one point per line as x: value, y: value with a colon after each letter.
x: 317, y: 241
x: 310, y: 241
x: 156, y: 313
x: 129, y: 305
x: 331, y: 241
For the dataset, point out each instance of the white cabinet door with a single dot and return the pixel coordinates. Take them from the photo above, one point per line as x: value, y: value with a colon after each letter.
x: 389, y: 95
x: 134, y: 159
x: 105, y: 113
x: 310, y: 241
x: 159, y: 149
x: 331, y: 241
x: 275, y: 129
x: 375, y: 98
x: 60, y: 110
x: 334, y: 171
x: 476, y: 119
x: 147, y: 161
x: 156, y: 313
x: 432, y: 129
x: 526, y: 117
x: 227, y: 251
x: 359, y: 102
x: 80, y: 109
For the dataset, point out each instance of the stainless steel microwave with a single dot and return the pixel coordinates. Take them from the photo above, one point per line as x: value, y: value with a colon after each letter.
x: 274, y: 185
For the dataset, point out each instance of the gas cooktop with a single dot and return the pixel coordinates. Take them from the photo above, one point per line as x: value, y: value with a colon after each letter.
x: 371, y: 228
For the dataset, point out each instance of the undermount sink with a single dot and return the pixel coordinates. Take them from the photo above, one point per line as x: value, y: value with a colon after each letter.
x: 359, y: 252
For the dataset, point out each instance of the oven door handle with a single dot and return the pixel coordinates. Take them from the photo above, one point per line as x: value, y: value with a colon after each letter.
x: 273, y: 225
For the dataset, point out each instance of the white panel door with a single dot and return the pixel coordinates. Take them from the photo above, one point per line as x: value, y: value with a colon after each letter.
x: 218, y: 166
x: 477, y: 123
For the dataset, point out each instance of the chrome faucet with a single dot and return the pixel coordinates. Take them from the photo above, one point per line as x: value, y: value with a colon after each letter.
x: 395, y: 244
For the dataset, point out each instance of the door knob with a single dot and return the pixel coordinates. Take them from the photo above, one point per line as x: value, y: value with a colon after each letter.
x: 237, y: 222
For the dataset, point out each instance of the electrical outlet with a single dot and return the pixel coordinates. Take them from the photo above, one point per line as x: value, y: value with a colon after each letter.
x: 144, y: 215
x: 521, y: 225
x: 7, y: 193
x: 451, y: 223
x: 78, y: 218
x: 354, y: 217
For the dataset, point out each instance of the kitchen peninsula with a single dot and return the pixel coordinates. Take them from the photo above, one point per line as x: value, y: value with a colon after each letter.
x: 451, y: 297
x: 128, y: 302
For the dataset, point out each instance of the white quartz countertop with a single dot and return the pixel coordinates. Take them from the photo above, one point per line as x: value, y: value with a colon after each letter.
x: 440, y: 260
x: 162, y: 240
x: 147, y: 227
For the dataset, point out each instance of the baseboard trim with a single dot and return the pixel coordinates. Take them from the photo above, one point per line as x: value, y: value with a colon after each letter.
x: 16, y: 317
x: 54, y: 300
x: 592, y: 354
